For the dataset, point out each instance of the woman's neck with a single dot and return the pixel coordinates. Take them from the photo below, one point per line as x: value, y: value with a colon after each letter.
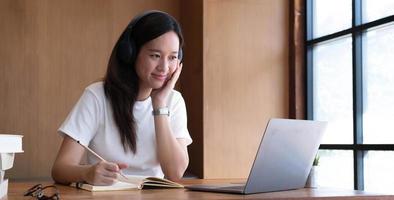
x: 143, y: 93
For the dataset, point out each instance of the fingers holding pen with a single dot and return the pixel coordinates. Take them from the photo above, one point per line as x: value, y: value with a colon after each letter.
x: 103, y: 173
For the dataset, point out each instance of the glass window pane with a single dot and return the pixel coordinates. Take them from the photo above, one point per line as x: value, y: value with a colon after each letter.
x: 331, y: 16
x: 335, y: 169
x: 332, y: 89
x: 379, y: 173
x: 374, y: 10
x: 378, y: 85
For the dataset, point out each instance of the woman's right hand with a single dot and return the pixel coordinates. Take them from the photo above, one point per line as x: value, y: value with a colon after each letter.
x: 103, y: 173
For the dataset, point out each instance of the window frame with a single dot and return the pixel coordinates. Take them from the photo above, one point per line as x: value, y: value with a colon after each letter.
x: 356, y: 32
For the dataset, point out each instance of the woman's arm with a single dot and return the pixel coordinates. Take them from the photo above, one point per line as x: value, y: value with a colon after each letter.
x: 67, y: 167
x: 172, y: 152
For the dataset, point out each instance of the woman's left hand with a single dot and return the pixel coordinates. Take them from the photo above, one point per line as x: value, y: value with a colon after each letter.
x: 159, y: 96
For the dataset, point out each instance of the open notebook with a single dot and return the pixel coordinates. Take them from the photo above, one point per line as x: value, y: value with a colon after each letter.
x: 132, y: 182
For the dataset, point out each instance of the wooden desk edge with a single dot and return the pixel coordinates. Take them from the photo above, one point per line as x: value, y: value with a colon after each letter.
x: 17, y: 188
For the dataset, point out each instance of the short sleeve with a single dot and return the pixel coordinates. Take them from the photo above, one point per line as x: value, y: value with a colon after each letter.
x: 178, y: 118
x: 81, y: 123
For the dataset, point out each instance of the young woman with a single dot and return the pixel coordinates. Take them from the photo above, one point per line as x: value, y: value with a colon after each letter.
x: 134, y: 119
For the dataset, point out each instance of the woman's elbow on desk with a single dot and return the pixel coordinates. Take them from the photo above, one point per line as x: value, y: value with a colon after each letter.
x: 176, y: 173
x: 176, y: 176
x: 57, y: 176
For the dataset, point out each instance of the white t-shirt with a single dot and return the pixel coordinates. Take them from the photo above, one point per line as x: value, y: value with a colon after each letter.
x: 91, y: 122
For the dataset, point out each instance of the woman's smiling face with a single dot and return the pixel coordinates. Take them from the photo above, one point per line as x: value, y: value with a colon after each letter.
x: 157, y: 60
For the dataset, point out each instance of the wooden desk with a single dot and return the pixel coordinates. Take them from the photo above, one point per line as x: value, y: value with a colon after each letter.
x: 16, y: 190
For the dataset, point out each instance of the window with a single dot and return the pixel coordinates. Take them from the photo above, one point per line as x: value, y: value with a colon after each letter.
x: 350, y: 84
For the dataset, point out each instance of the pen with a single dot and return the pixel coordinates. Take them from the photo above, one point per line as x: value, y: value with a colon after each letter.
x: 98, y: 156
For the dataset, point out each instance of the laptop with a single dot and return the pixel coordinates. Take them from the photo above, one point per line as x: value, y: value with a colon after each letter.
x: 283, y: 160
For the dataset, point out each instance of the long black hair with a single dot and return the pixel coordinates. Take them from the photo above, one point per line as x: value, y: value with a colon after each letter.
x: 121, y: 83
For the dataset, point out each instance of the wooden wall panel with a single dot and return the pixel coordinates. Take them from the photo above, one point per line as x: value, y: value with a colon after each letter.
x: 245, y: 80
x: 18, y: 108
x: 297, y: 69
x: 51, y: 50
x: 191, y: 80
x: 234, y: 78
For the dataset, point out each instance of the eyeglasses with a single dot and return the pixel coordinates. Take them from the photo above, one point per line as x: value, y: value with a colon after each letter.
x: 49, y: 192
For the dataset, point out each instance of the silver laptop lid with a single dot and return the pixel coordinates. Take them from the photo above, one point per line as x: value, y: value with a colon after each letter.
x: 285, y: 155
